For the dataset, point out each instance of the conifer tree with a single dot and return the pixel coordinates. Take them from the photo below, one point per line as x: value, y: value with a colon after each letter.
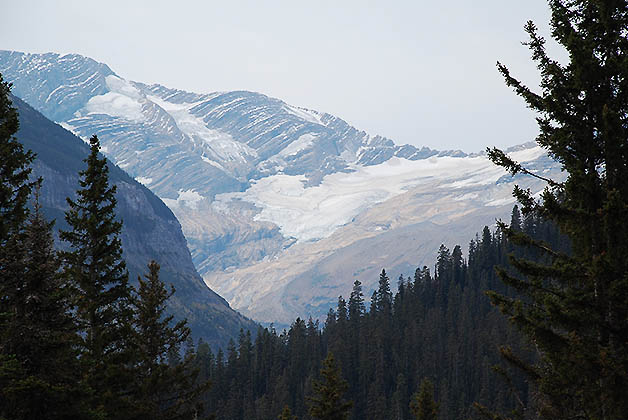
x: 576, y: 307
x: 356, y: 303
x: 422, y: 404
x: 384, y: 295
x: 36, y: 358
x: 163, y: 391
x: 41, y: 333
x: 327, y: 402
x: 14, y: 192
x: 15, y: 186
x: 98, y: 273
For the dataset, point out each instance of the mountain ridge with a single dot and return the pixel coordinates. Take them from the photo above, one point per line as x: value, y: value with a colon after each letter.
x: 257, y: 183
x: 150, y: 230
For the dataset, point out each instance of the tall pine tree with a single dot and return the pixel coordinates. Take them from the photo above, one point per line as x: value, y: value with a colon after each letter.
x: 164, y: 391
x: 422, y: 404
x: 576, y: 307
x: 327, y: 401
x: 98, y: 274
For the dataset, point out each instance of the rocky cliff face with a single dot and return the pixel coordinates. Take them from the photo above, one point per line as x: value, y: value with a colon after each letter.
x: 150, y: 230
x: 282, y: 207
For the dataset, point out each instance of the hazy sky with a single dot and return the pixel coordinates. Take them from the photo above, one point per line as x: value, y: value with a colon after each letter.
x: 419, y: 72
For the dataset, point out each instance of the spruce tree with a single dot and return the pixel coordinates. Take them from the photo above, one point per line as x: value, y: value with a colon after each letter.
x: 37, y: 362
x: 15, y: 186
x: 356, y: 303
x: 327, y: 401
x: 41, y: 333
x: 422, y: 405
x: 14, y: 191
x: 98, y: 274
x: 163, y: 390
x: 575, y: 309
x: 384, y: 295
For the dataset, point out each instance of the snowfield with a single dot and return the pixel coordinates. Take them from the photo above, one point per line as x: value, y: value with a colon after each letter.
x: 310, y: 214
x: 123, y: 101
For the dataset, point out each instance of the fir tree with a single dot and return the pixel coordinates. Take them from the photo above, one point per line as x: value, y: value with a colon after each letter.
x: 356, y: 303
x: 515, y: 219
x: 15, y: 187
x: 163, y: 391
x: 576, y: 307
x: 41, y: 333
x: 423, y: 405
x: 36, y: 332
x: 327, y: 402
x: 95, y: 266
x: 384, y: 295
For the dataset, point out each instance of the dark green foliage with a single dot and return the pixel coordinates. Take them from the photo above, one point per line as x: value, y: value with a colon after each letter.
x: 37, y: 358
x: 423, y: 405
x: 443, y: 328
x: 40, y: 333
x: 69, y: 348
x: 15, y: 187
x: 575, y: 306
x: 163, y: 390
x: 326, y: 401
x: 95, y: 267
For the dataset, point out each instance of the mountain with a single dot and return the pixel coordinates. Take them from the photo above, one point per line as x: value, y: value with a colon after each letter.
x: 150, y: 230
x: 282, y: 207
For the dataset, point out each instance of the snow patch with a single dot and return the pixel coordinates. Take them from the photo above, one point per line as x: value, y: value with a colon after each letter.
x: 187, y: 198
x: 212, y: 162
x: 500, y: 202
x: 144, y: 180
x: 527, y: 155
x: 71, y: 129
x: 305, y: 114
x: 222, y: 145
x: 302, y: 143
x: 123, y: 100
x: 467, y: 196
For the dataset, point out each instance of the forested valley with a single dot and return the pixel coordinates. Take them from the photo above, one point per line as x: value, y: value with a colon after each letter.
x: 532, y: 324
x: 80, y: 341
x: 439, y: 326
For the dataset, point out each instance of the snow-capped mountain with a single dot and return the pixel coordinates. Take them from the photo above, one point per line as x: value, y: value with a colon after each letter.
x: 282, y: 206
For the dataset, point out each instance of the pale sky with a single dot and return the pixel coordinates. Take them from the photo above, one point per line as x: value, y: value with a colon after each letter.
x: 418, y: 72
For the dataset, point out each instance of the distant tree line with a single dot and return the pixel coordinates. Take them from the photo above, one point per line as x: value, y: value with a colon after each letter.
x: 76, y: 341
x: 438, y: 335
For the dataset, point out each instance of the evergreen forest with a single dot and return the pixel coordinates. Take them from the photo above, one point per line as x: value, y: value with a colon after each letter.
x: 439, y: 326
x: 531, y: 324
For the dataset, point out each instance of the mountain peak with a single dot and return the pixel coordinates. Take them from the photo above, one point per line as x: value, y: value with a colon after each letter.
x: 270, y: 194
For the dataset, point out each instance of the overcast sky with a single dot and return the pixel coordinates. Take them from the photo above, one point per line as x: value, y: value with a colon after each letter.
x: 419, y: 72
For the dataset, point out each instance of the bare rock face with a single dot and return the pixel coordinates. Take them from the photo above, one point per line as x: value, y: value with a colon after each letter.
x: 150, y: 230
x: 282, y: 207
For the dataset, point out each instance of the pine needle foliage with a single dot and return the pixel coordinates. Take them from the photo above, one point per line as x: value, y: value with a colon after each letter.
x: 327, y: 401
x: 164, y: 390
x: 97, y: 272
x: 422, y: 404
x: 575, y: 305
